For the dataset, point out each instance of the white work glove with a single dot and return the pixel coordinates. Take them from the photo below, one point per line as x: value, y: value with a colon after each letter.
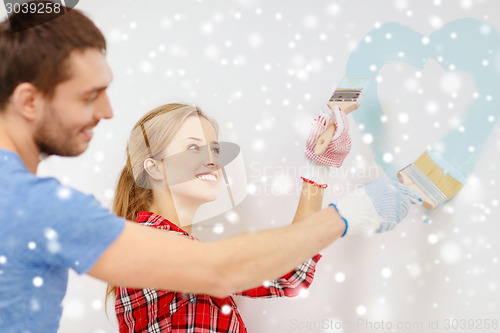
x: 376, y: 206
x: 316, y: 167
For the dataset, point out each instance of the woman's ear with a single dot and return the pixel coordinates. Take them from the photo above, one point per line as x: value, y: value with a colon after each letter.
x: 153, y: 169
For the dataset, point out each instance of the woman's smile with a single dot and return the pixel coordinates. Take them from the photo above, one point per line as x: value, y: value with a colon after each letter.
x: 208, y: 177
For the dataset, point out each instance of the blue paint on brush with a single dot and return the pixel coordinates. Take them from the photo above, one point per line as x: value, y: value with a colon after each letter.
x: 475, y: 50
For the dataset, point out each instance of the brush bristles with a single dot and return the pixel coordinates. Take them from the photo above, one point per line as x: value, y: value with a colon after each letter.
x: 446, y: 183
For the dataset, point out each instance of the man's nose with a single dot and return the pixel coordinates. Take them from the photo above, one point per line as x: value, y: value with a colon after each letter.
x: 103, y: 108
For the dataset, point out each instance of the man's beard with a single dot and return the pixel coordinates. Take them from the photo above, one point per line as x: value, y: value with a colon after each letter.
x: 52, y: 138
x: 48, y: 148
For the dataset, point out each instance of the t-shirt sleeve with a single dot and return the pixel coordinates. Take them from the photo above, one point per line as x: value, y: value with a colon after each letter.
x: 66, y: 227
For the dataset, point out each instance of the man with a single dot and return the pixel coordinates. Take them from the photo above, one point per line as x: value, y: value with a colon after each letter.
x: 53, y: 81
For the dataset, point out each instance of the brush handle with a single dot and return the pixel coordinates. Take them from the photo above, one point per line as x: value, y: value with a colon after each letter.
x: 325, y: 138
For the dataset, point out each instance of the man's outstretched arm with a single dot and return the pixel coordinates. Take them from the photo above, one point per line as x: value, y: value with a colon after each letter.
x: 143, y: 257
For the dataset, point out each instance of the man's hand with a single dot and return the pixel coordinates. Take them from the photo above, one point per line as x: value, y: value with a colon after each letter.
x: 376, y: 206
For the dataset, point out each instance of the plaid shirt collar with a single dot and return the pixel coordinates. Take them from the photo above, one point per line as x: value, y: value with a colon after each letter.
x: 158, y: 222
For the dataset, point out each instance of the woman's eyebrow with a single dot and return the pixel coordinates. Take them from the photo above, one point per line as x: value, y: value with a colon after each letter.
x: 193, y: 138
x: 200, y: 140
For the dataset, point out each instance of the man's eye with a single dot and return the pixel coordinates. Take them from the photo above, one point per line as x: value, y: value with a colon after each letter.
x: 91, y: 98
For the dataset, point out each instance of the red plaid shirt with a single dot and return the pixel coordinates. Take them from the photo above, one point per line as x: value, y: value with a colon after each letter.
x: 150, y: 310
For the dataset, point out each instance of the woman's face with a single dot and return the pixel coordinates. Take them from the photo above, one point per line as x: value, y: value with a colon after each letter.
x: 191, y: 160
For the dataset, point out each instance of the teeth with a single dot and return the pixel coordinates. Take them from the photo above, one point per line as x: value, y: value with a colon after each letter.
x: 208, y: 177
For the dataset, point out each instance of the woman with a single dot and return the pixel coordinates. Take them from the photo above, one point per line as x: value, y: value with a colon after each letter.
x: 174, y: 164
x: 179, y: 143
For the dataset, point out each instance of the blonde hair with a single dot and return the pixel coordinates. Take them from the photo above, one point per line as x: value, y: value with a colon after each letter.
x: 150, y: 135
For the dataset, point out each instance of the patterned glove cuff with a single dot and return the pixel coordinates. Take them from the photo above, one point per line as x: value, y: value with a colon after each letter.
x: 345, y: 221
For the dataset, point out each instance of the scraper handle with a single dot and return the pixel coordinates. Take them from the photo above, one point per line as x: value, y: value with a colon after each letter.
x: 325, y: 138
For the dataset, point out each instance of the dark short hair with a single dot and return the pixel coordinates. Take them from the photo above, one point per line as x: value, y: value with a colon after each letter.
x: 39, y: 55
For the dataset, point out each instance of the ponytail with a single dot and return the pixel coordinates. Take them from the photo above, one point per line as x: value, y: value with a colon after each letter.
x: 130, y: 199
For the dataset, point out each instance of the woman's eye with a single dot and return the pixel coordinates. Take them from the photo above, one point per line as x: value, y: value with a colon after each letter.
x: 216, y: 150
x: 194, y: 147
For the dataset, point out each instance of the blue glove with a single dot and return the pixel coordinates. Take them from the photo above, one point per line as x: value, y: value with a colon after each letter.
x: 376, y: 206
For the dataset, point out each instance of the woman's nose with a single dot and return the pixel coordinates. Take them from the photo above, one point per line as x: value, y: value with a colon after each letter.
x: 212, y: 160
x: 212, y: 164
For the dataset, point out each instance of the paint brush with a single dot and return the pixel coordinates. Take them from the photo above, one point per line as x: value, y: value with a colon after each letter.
x: 435, y: 184
x: 347, y: 97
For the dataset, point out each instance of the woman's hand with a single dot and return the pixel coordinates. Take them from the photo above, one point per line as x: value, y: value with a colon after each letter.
x: 316, y: 167
x: 340, y: 144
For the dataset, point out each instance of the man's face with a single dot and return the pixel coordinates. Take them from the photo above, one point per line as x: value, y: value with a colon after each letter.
x: 66, y: 124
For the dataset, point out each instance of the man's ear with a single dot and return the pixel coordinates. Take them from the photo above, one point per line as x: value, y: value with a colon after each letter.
x: 154, y: 169
x: 27, y: 100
